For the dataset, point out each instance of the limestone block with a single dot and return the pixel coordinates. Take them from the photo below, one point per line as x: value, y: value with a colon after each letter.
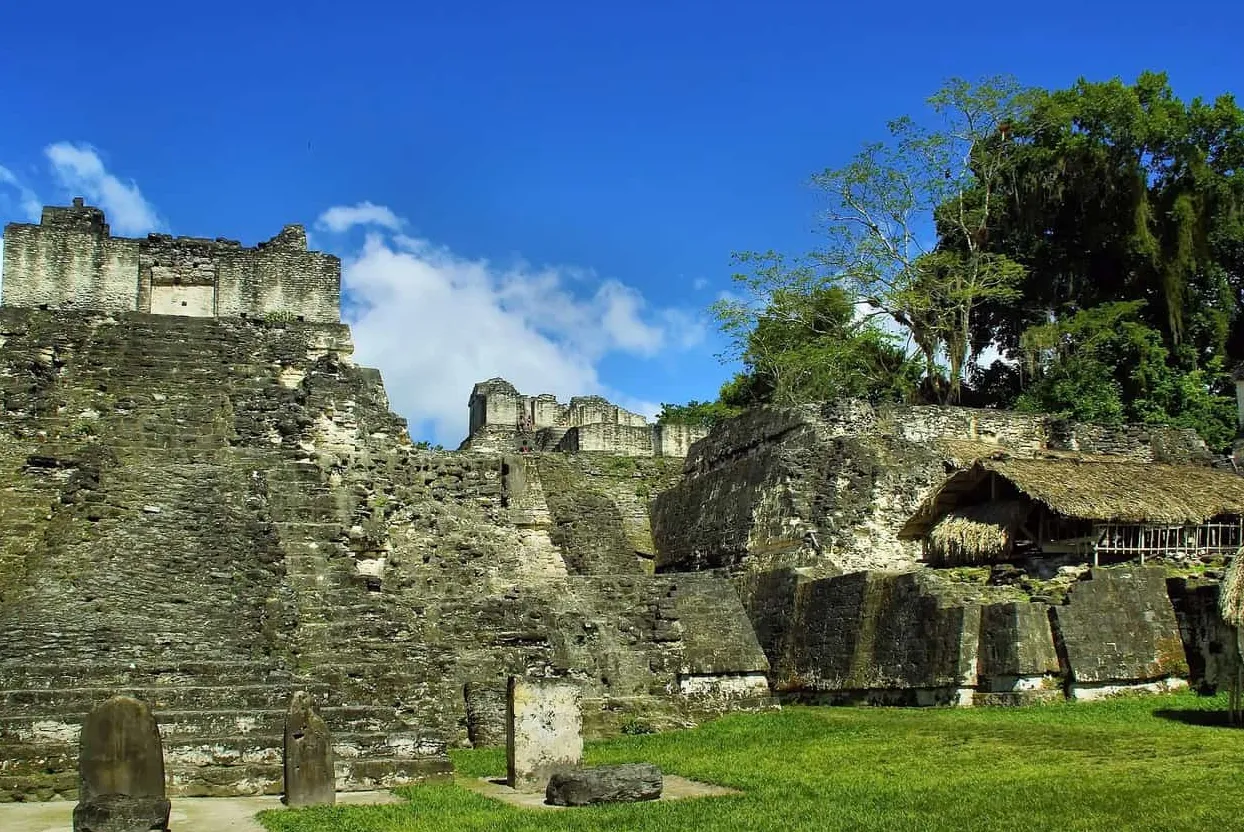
x: 121, y: 813
x: 1017, y: 662
x: 309, y: 777
x: 544, y: 731
x: 120, y: 751
x: 628, y: 783
x: 875, y: 631
x: 1119, y: 627
x: 1016, y: 641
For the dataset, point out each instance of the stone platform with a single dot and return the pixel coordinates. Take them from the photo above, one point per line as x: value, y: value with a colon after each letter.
x: 673, y: 788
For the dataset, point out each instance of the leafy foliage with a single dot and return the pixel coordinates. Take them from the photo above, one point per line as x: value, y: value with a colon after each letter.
x: 800, y: 339
x: 1107, y: 365
x: 1093, y: 237
x: 882, y: 202
x: 1119, y: 193
x: 705, y: 414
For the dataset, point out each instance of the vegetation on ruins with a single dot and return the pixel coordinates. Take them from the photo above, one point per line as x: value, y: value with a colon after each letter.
x: 1128, y: 763
x: 1092, y: 237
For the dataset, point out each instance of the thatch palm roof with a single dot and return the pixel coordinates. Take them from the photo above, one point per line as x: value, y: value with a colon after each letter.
x: 968, y: 535
x: 1124, y: 492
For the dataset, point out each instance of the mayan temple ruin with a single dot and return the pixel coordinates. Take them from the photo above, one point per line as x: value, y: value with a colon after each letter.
x: 208, y: 506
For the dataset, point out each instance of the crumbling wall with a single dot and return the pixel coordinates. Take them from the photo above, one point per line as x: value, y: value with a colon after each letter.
x: 922, y: 638
x: 1209, y: 642
x: 676, y: 440
x: 790, y: 488
x: 503, y: 420
x: 1118, y: 628
x: 608, y: 438
x: 1018, y: 662
x: 878, y: 637
x: 832, y: 484
x: 70, y: 261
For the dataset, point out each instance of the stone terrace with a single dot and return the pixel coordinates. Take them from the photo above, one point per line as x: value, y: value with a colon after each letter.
x: 210, y: 514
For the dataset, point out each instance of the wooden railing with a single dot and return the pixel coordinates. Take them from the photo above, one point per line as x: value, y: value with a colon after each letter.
x: 1220, y: 537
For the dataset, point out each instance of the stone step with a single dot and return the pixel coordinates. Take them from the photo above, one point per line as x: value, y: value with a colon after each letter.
x: 181, y: 726
x: 211, y: 779
x: 99, y: 673
x: 235, y: 749
x: 161, y: 697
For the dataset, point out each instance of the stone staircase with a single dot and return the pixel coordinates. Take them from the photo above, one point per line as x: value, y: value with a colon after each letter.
x: 177, y: 546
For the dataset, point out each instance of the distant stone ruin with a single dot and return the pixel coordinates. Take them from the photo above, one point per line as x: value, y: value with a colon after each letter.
x: 71, y: 261
x: 502, y: 419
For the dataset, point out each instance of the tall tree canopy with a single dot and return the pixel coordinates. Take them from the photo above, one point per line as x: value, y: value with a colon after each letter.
x: 1117, y: 193
x: 1093, y: 237
x: 880, y: 222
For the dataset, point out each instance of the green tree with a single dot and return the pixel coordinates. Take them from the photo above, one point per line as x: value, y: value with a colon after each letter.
x: 705, y: 414
x: 1117, y: 193
x: 1108, y: 365
x: 800, y: 339
x: 882, y: 209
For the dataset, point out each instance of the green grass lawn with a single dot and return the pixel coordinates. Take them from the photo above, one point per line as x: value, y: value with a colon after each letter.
x: 1151, y: 763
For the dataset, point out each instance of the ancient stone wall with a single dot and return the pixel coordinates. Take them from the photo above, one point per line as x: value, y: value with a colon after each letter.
x: 787, y: 500
x: 920, y: 638
x: 829, y: 486
x: 609, y: 438
x: 71, y: 261
x: 1118, y: 629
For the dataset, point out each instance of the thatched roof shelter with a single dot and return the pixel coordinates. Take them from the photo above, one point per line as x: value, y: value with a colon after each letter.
x: 1098, y: 490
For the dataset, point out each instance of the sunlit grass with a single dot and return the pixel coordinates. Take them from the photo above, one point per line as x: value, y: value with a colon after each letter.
x: 1146, y: 763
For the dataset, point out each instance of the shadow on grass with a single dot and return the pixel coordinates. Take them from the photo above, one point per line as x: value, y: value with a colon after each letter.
x: 1196, y: 716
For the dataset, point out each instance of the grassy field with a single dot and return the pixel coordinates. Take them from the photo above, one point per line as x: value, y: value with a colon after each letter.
x: 1144, y: 763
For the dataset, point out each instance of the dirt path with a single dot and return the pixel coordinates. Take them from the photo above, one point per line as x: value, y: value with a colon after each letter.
x: 190, y: 814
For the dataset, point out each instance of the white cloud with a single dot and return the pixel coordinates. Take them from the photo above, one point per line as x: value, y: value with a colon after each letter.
x: 28, y: 202
x: 699, y: 283
x: 79, y: 168
x: 341, y: 218
x: 435, y: 323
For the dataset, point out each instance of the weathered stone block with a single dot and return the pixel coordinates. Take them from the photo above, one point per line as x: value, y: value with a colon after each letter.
x: 1016, y: 641
x: 1208, y: 640
x: 121, y: 813
x: 628, y: 783
x: 120, y: 751
x: 1018, y: 661
x: 485, y: 713
x: 1118, y: 628
x: 873, y: 633
x: 544, y: 731
x: 309, y: 777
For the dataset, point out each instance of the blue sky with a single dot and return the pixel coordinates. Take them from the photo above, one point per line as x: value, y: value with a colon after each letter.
x: 556, y: 187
